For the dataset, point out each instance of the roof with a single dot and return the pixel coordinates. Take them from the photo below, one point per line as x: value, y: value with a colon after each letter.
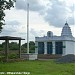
x: 10, y: 38
x: 55, y: 38
x: 66, y: 35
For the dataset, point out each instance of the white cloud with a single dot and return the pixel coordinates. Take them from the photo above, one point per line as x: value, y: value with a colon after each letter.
x: 59, y: 13
x: 48, y: 17
x: 55, y: 12
x: 33, y: 5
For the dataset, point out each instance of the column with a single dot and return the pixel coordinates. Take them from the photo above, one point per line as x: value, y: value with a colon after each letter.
x: 53, y: 42
x: 45, y: 47
x: 19, y: 48
x: 36, y: 47
x: 6, y: 49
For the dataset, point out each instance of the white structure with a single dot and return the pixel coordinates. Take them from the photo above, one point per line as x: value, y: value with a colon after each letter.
x: 64, y: 44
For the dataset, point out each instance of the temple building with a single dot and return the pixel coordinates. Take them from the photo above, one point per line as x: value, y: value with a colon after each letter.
x: 50, y: 44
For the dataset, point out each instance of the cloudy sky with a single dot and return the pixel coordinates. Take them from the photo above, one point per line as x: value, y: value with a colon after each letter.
x: 45, y: 15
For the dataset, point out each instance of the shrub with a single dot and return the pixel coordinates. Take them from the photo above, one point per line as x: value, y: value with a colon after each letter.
x: 2, y: 58
x: 13, y: 56
x: 1, y: 49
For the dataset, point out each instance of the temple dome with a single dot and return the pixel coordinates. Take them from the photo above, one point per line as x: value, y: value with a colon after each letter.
x: 66, y: 31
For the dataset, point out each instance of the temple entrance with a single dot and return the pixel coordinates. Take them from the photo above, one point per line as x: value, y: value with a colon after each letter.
x: 49, y: 47
x: 58, y: 47
x: 40, y: 47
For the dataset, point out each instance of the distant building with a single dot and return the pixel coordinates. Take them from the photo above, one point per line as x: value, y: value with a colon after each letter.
x: 50, y: 44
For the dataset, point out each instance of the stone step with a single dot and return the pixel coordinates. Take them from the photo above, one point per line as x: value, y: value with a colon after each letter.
x: 48, y: 56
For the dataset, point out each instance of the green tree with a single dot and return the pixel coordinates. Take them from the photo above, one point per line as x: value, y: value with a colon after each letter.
x: 13, y: 46
x: 31, y: 47
x: 1, y: 48
x: 4, y: 5
x: 24, y: 45
x: 3, y: 45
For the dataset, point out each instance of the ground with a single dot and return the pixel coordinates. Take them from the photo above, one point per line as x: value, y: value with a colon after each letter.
x: 39, y: 67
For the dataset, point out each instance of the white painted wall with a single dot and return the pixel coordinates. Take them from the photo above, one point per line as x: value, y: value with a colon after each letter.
x: 74, y: 48
x: 70, y: 49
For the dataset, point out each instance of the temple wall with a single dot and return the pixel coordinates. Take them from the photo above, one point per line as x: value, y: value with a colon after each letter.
x: 69, y: 47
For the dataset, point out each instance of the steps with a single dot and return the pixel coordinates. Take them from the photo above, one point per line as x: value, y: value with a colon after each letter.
x: 41, y: 56
x: 48, y: 56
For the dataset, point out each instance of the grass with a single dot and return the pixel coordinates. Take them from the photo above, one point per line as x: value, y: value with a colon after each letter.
x: 39, y: 67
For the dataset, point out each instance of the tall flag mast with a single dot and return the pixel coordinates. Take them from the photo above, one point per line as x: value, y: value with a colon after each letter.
x: 27, y: 28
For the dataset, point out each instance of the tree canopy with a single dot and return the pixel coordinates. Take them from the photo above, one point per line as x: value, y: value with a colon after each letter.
x: 15, y: 46
x: 4, y: 5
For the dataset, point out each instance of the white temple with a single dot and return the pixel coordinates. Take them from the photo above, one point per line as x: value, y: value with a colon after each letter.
x: 50, y: 44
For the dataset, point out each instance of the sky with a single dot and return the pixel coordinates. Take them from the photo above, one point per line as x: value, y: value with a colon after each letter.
x: 44, y: 15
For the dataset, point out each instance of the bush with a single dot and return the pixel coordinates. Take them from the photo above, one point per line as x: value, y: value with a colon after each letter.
x: 2, y: 58
x: 1, y: 49
x: 32, y: 51
x: 13, y: 56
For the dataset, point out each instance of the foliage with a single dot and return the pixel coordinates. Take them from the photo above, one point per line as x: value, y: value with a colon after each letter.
x: 1, y: 48
x: 39, y: 67
x: 13, y: 46
x: 4, y: 5
x: 2, y: 58
x: 13, y: 56
x: 31, y: 47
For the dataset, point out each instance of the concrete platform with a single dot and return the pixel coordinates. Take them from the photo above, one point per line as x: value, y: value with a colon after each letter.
x: 29, y: 56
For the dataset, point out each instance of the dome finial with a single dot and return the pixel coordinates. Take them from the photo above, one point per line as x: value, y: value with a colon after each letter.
x: 66, y: 23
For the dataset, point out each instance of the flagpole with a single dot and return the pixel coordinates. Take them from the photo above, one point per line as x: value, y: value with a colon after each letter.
x: 27, y: 28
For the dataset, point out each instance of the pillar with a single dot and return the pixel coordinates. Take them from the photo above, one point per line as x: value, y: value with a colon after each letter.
x: 19, y: 48
x: 6, y: 49
x: 53, y: 47
x: 45, y: 47
x: 36, y: 47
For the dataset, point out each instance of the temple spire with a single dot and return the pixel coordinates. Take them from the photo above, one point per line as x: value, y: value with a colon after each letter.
x: 66, y: 31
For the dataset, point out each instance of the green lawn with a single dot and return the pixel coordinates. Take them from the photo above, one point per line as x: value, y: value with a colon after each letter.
x: 39, y: 67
